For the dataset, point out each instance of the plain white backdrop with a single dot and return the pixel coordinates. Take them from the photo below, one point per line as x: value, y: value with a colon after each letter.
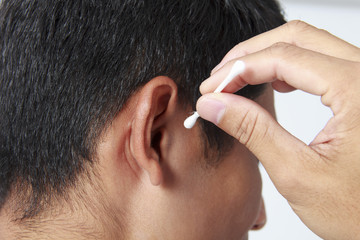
x: 302, y: 114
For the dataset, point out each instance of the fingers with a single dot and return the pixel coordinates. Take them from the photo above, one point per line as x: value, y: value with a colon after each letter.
x: 282, y: 87
x: 294, y: 67
x: 312, y: 178
x: 254, y: 127
x: 299, y: 34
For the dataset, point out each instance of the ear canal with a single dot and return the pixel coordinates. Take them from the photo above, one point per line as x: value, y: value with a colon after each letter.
x: 155, y: 143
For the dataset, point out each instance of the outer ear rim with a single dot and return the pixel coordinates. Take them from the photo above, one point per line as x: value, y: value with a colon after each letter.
x: 143, y: 125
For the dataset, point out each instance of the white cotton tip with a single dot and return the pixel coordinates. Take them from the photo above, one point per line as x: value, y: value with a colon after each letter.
x: 237, y: 68
x: 190, y: 121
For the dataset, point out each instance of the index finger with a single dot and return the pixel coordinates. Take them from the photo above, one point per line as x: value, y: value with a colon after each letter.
x: 302, y: 69
x: 297, y: 33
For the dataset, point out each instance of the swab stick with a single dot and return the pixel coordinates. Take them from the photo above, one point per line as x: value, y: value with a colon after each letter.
x: 237, y: 68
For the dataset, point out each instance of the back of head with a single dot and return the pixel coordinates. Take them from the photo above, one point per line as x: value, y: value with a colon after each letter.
x: 68, y: 67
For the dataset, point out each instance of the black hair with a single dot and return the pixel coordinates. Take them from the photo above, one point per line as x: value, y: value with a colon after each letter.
x: 68, y: 66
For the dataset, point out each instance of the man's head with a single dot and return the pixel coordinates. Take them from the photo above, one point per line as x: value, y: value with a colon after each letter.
x: 93, y: 96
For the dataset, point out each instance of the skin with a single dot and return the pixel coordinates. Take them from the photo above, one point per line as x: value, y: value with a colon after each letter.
x: 176, y: 195
x: 153, y: 181
x: 319, y: 180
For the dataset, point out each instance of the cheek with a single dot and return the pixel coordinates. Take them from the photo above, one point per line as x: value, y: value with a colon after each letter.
x: 219, y: 202
x: 228, y: 197
x: 240, y: 186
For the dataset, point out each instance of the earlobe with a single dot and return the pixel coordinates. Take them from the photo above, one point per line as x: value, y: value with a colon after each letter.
x: 155, y: 106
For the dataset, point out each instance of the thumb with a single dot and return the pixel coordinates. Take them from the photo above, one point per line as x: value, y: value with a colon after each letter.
x: 254, y: 127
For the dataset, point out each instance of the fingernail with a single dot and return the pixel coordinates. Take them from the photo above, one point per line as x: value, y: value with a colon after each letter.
x: 202, y: 86
x: 211, y: 109
x: 216, y: 68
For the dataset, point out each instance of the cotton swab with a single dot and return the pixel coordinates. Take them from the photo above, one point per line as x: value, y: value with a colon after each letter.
x: 237, y: 68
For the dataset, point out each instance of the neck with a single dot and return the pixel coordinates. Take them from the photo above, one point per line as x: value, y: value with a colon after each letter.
x: 69, y: 224
x: 59, y: 228
x: 86, y: 217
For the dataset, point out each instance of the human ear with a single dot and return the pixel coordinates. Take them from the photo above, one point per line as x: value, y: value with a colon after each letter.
x: 155, y: 107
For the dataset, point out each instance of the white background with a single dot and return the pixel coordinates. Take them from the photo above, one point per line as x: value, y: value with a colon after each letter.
x: 302, y: 114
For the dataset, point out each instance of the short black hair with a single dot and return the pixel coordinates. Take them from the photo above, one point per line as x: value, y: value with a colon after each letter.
x: 68, y: 66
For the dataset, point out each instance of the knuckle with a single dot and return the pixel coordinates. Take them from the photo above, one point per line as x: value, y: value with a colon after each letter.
x: 244, y: 132
x: 297, y: 26
x: 280, y: 49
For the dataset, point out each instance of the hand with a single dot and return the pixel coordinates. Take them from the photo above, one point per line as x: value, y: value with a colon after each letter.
x: 321, y: 181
